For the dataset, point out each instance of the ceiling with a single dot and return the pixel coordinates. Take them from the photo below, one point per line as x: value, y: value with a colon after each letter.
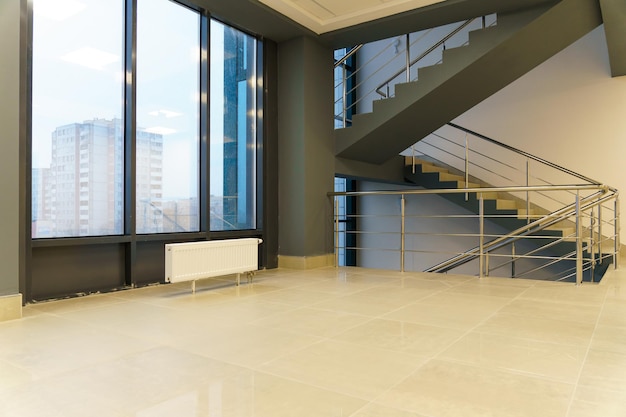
x: 322, y: 16
x: 345, y: 23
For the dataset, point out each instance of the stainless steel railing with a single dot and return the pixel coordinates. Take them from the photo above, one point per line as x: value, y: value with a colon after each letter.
x: 593, y: 245
x: 482, y: 159
x: 380, y: 71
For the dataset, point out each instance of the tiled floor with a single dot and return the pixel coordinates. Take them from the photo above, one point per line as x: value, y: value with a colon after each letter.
x: 324, y: 343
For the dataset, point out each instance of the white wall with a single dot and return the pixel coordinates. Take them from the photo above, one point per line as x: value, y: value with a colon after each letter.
x: 568, y: 111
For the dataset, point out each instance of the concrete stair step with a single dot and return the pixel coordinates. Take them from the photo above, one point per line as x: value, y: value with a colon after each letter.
x: 502, y: 204
x: 446, y: 176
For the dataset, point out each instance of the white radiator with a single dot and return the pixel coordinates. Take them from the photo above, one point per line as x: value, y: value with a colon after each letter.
x: 197, y: 260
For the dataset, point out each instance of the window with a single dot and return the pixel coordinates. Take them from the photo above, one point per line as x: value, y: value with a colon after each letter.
x: 168, y: 102
x: 76, y: 117
x: 79, y: 145
x: 233, y: 129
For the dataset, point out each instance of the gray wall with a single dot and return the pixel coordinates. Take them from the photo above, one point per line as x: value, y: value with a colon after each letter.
x: 306, y: 148
x: 9, y: 140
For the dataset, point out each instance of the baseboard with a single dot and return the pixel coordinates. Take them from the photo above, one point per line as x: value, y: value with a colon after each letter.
x: 10, y: 307
x: 306, y: 262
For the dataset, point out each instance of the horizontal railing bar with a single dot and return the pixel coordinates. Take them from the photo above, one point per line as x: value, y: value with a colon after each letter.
x: 579, y: 187
x: 526, y: 154
x: 518, y: 234
x: 426, y: 52
x: 348, y: 55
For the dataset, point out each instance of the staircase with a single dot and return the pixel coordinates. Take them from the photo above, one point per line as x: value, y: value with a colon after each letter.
x: 507, y: 211
x: 494, y: 57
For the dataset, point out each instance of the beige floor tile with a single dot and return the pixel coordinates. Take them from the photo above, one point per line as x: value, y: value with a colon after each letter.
x: 595, y: 401
x: 609, y: 339
x: 550, y: 310
x: 236, y: 312
x: 399, y: 294
x: 411, y: 338
x: 376, y: 410
x: 346, y: 286
x: 339, y: 342
x: 371, y: 306
x: 604, y: 370
x: 142, y: 320
x: 449, y: 279
x: 244, y: 345
x: 52, y: 398
x: 613, y: 313
x: 82, y: 346
x: 457, y: 311
x: 311, y: 321
x: 490, y: 288
x: 363, y: 372
x: 531, y: 357
x: 152, y: 377
x: 263, y: 395
x: 467, y: 300
x: 616, y: 289
x: 568, y: 293
x: 421, y: 282
x: 167, y: 382
x: 182, y: 297
x: 298, y: 297
x: 446, y: 389
x: 540, y: 329
x: 11, y: 375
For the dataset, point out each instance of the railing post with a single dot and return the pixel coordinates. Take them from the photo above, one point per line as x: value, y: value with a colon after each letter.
x: 579, y: 242
x: 336, y: 231
x: 600, y: 239
x: 481, y: 235
x: 513, y: 260
x: 402, y: 204
x: 413, y: 159
x: 344, y: 94
x: 408, y: 59
x: 527, y: 192
x: 616, y: 239
x: 466, y: 166
x: 592, y: 243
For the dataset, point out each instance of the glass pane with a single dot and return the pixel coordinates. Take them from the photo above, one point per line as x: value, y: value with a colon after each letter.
x: 168, y: 94
x: 233, y: 129
x: 340, y: 186
x: 77, y: 175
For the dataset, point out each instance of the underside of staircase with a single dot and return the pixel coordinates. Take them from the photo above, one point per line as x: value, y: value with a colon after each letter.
x: 494, y: 57
x: 500, y: 208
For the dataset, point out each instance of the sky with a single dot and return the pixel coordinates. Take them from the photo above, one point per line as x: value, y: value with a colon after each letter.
x: 78, y: 75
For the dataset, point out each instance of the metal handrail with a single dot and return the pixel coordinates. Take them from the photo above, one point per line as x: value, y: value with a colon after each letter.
x: 424, y: 54
x: 579, y: 187
x: 526, y: 154
x: 348, y: 55
x: 601, y: 195
x: 534, y: 227
x: 405, y: 68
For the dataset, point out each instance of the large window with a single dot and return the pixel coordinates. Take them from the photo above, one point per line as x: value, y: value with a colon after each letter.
x: 233, y: 128
x: 168, y: 124
x: 82, y: 173
x: 77, y: 145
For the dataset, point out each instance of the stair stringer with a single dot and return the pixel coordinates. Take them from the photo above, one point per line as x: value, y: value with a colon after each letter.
x: 397, y: 123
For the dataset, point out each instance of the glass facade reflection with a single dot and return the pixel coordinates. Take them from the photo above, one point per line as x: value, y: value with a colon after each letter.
x: 233, y: 129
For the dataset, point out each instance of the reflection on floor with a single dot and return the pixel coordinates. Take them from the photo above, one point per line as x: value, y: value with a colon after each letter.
x: 329, y: 342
